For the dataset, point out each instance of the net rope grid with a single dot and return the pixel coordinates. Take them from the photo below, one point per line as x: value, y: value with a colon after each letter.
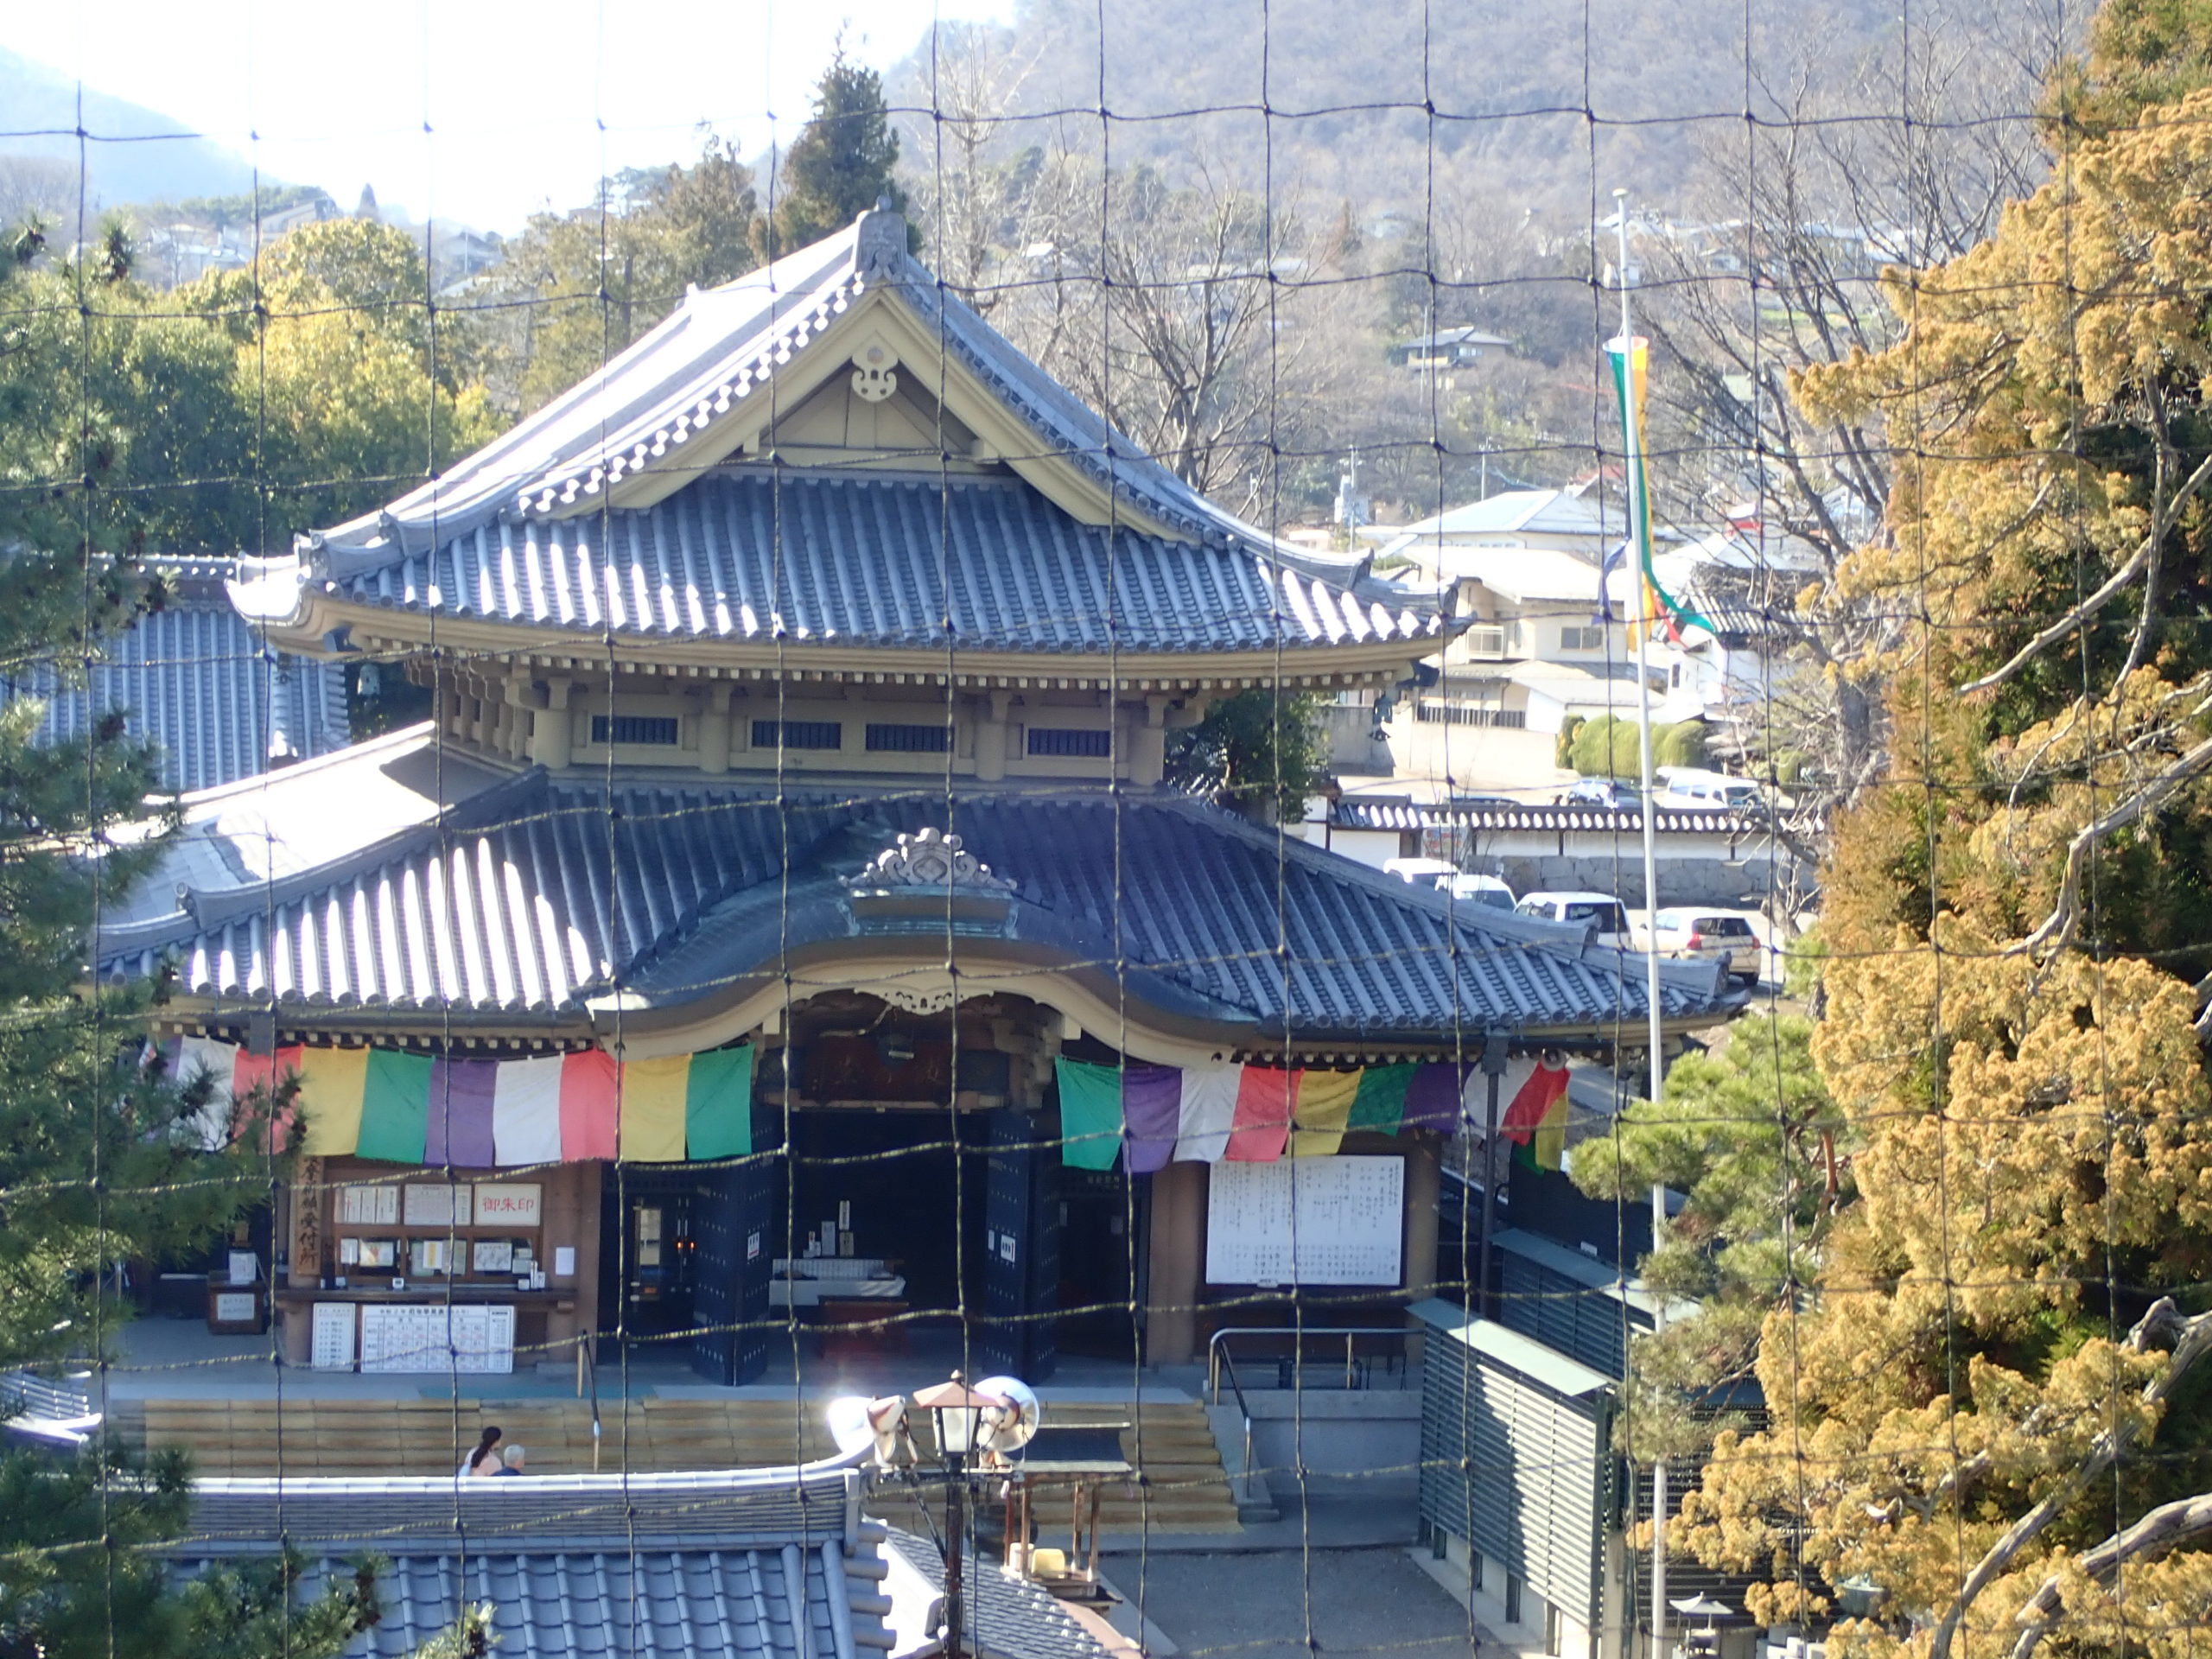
x: 1466, y: 1039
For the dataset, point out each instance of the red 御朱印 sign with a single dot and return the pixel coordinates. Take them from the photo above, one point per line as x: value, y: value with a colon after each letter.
x: 519, y: 1204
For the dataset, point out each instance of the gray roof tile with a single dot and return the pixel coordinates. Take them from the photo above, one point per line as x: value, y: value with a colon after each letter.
x: 536, y: 895
x: 193, y: 680
x: 747, y: 554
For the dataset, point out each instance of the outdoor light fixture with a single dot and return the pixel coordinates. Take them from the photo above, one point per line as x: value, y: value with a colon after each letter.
x: 965, y: 1419
x: 956, y: 1412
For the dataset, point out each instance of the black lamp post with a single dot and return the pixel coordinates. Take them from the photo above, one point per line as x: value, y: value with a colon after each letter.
x: 957, y: 1414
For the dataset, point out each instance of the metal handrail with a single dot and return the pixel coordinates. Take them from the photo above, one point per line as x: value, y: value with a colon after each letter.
x: 1229, y: 1361
x: 587, y: 1370
x: 1218, y: 1355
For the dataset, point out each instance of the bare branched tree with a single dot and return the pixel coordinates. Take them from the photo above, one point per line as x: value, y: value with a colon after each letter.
x: 1774, y: 269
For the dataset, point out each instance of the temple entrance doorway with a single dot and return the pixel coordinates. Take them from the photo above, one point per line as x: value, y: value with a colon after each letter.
x: 918, y: 1218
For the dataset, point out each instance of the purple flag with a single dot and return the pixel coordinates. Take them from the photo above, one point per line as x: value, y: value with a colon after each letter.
x: 461, y: 1114
x: 1152, y: 1107
x: 1433, y: 1098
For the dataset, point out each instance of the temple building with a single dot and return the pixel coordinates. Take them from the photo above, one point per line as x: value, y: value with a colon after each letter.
x: 783, y: 921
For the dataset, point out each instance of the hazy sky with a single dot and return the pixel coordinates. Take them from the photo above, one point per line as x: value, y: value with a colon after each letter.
x: 526, y: 103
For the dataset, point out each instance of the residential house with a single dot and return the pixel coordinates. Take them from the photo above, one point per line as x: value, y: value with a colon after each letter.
x: 1448, y: 348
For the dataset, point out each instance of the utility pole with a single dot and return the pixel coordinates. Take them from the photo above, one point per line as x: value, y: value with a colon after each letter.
x: 1639, y: 533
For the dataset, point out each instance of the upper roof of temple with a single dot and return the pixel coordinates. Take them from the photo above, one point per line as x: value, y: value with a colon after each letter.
x: 833, y: 449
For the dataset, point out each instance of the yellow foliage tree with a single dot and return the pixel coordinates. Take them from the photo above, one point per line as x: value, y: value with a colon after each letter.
x: 1989, y: 1405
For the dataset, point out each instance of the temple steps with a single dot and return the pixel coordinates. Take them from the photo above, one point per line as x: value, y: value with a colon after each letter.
x: 1183, y: 1489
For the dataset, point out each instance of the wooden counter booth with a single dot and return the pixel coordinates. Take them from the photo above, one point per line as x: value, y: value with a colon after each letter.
x: 403, y: 1269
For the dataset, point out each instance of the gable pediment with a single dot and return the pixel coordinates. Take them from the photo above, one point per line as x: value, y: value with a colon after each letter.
x: 870, y: 388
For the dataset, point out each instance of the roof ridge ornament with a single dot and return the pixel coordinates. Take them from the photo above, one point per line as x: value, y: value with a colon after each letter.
x: 880, y: 241
x: 929, y: 858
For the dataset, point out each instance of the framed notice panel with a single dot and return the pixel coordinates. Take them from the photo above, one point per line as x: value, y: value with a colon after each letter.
x: 432, y: 1337
x: 1307, y: 1221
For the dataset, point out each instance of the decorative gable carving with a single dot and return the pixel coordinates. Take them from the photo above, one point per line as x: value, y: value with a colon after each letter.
x: 873, y: 377
x: 931, y: 859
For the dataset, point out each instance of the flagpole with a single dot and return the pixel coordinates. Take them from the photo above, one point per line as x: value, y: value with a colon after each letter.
x: 1638, y: 530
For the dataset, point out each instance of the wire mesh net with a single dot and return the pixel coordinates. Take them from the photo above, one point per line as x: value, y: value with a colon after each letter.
x: 1430, y: 779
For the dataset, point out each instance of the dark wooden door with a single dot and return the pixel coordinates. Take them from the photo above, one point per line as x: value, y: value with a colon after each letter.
x: 1022, y: 1243
x: 732, y: 1220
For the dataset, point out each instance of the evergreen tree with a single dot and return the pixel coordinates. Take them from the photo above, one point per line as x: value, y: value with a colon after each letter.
x: 840, y: 165
x: 103, y: 1158
x: 1990, y: 1400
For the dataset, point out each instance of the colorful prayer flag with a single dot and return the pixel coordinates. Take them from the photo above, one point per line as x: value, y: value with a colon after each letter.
x: 1262, y: 1127
x: 1380, y: 1103
x: 395, y: 1107
x: 332, y: 1084
x: 1630, y: 359
x: 1322, y: 1113
x: 589, y: 1091
x: 649, y: 1109
x: 1205, y: 1113
x: 1152, y: 1107
x: 718, y: 1103
x: 460, y: 1129
x: 1538, y: 1112
x: 527, y: 1111
x: 1091, y: 1113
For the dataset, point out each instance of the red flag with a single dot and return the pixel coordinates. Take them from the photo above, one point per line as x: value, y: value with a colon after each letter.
x: 1533, y: 1101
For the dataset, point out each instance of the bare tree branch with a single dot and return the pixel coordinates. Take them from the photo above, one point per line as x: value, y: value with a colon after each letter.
x: 2194, y: 1341
x: 2165, y: 1527
x: 2161, y: 522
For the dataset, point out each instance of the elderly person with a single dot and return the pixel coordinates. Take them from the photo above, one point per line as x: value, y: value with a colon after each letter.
x: 517, y: 1456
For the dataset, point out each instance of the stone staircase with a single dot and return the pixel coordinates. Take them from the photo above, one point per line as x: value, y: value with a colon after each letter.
x: 1182, y: 1488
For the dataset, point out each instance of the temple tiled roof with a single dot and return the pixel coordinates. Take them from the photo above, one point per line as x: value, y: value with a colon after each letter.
x: 536, y: 895
x: 723, y: 1567
x: 192, y: 679
x: 549, y: 525
x: 747, y: 553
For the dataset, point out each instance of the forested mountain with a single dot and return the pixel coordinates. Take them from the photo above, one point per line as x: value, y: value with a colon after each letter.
x: 1509, y: 81
x: 42, y: 152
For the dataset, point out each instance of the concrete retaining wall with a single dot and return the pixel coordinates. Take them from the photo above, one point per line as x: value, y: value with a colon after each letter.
x: 1366, y: 1441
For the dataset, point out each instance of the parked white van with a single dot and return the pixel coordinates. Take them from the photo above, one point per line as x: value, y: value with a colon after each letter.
x: 1598, y: 911
x: 1709, y: 792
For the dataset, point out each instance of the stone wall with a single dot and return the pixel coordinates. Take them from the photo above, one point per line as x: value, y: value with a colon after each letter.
x: 1743, y: 885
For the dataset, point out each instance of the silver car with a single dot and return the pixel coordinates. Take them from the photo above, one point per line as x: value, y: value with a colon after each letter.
x: 1707, y: 936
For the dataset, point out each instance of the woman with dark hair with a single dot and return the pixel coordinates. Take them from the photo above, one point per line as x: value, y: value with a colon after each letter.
x: 485, y: 1458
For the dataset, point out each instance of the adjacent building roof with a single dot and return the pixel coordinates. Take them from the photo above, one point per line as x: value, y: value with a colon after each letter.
x: 535, y: 894
x: 1388, y: 812
x: 766, y: 1564
x: 754, y: 553
x: 1549, y: 513
x: 193, y: 679
x: 1528, y: 575
x: 1006, y: 1616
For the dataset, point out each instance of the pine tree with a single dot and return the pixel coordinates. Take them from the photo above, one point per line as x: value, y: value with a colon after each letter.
x: 103, y: 1158
x: 840, y: 165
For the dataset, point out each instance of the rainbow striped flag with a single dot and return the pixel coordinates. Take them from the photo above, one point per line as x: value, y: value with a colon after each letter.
x: 1630, y: 360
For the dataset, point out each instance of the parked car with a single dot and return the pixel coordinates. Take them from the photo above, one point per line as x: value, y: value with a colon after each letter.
x: 1600, y: 792
x: 1485, y: 891
x: 1420, y: 871
x: 1599, y: 911
x: 1701, y: 936
x: 1447, y: 877
x: 1710, y: 791
x: 1477, y: 797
